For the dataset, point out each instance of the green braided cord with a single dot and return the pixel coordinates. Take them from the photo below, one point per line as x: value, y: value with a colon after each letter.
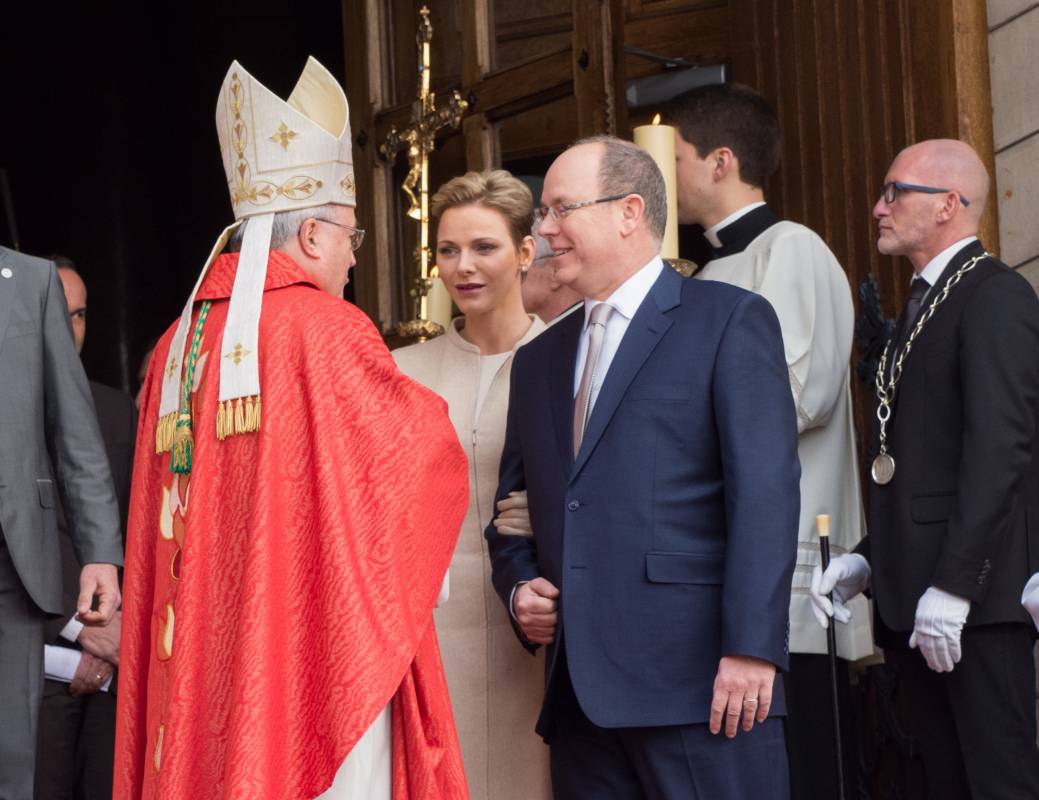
x: 180, y: 457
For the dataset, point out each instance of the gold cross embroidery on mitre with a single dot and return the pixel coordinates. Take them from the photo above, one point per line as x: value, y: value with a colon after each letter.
x: 237, y: 353
x: 283, y: 136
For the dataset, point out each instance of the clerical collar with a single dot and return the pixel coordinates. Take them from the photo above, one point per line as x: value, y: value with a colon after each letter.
x: 936, y: 266
x: 711, y: 234
x: 736, y: 236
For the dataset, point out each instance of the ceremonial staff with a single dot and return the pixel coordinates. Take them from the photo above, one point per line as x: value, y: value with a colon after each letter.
x: 822, y: 524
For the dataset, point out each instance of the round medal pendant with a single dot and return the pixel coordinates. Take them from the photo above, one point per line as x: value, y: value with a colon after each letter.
x: 883, y: 469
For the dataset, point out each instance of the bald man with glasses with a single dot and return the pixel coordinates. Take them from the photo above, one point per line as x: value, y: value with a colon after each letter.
x: 953, y: 500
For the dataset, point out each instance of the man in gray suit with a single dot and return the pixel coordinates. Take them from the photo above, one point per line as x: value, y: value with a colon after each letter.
x: 46, y: 418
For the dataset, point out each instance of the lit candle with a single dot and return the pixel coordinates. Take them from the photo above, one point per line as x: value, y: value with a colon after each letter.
x: 439, y: 300
x: 659, y: 141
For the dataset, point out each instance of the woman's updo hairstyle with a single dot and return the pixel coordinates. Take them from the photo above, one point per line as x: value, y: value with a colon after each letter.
x: 495, y: 188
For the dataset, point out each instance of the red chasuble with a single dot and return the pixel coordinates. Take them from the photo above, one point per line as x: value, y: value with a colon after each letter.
x: 281, y: 594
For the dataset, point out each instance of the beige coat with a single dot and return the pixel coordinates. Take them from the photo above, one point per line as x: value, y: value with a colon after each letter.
x: 792, y: 268
x: 496, y: 686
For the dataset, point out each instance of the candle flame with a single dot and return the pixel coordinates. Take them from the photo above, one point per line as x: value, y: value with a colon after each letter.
x: 434, y: 272
x: 656, y: 119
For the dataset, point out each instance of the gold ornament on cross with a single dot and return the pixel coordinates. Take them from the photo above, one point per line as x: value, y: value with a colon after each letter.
x: 419, y: 139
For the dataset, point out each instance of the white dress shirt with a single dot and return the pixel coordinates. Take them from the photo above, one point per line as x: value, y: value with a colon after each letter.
x: 936, y: 266
x: 711, y: 234
x: 625, y: 301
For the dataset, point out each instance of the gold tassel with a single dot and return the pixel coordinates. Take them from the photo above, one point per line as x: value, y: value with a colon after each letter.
x: 221, y: 420
x: 252, y: 414
x: 239, y: 415
x: 183, y: 444
x: 164, y: 430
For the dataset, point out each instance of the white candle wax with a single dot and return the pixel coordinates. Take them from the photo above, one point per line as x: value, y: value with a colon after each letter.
x: 439, y: 308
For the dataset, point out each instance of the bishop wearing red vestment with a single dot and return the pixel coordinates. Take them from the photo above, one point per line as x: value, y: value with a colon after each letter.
x: 296, y: 502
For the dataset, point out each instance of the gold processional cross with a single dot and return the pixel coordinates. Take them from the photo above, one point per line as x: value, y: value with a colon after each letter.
x: 420, y: 139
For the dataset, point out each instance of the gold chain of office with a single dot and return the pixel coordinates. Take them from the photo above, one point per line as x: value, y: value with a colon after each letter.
x: 883, y: 469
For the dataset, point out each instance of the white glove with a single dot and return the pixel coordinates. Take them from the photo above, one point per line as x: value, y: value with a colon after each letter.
x: 847, y: 576
x: 1029, y: 598
x: 940, y: 617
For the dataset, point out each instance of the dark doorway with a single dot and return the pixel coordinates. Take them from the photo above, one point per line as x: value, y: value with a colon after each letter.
x: 110, y: 147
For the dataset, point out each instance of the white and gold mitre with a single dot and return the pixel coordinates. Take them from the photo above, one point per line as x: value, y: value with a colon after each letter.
x: 285, y: 155
x: 279, y: 155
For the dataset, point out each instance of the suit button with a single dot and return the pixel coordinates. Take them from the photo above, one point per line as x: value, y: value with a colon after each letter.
x: 981, y: 580
x: 573, y: 505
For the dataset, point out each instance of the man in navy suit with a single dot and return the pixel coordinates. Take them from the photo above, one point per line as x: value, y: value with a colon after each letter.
x: 655, y: 435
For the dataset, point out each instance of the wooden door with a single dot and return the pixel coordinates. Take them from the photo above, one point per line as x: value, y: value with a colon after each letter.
x: 537, y: 75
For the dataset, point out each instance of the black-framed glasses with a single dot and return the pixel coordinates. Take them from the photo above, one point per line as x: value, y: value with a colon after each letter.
x: 563, y: 210
x: 356, y: 234
x: 889, y: 191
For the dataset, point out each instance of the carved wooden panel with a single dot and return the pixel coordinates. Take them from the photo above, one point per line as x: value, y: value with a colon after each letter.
x: 548, y: 129
x: 697, y: 32
x: 643, y: 9
x: 529, y: 29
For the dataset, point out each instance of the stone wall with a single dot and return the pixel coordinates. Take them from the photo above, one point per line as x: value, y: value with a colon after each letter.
x: 1013, y: 42
x: 1014, y: 71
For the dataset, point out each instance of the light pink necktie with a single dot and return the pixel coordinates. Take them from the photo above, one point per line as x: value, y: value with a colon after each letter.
x: 582, y: 404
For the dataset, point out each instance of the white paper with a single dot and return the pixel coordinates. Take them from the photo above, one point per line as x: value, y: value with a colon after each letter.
x: 72, y: 629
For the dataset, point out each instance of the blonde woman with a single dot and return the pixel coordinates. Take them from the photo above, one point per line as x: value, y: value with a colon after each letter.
x: 483, y: 249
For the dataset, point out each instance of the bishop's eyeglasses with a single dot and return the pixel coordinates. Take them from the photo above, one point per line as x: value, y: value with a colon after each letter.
x: 890, y: 191
x: 356, y: 234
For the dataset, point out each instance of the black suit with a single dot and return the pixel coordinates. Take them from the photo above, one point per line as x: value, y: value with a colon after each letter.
x: 962, y: 514
x: 76, y: 743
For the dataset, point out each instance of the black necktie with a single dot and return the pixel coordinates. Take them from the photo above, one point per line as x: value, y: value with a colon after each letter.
x: 917, y: 289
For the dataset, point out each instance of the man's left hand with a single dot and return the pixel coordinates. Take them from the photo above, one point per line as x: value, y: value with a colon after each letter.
x: 101, y: 580
x: 742, y: 689
x: 90, y: 676
x: 940, y: 618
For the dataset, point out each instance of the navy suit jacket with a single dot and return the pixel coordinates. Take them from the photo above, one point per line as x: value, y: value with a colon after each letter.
x: 672, y: 536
